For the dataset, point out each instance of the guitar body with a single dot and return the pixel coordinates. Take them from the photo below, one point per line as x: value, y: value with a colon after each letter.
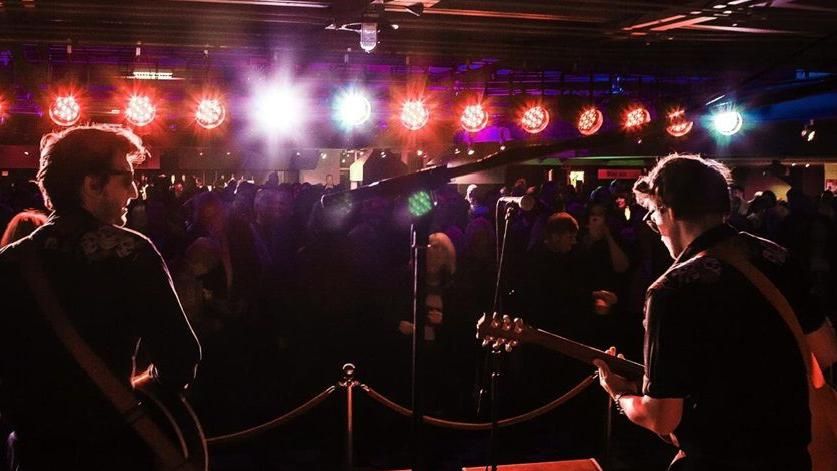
x: 174, y: 417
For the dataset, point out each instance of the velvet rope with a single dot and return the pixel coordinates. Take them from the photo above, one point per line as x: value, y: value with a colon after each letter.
x: 481, y: 425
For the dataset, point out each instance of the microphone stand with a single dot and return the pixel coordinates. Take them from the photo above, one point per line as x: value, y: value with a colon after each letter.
x: 495, y: 367
x: 420, y: 235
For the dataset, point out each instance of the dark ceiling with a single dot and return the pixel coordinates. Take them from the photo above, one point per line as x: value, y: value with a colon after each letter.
x: 610, y: 36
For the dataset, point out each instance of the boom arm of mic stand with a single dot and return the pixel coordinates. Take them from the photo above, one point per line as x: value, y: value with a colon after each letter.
x: 433, y: 177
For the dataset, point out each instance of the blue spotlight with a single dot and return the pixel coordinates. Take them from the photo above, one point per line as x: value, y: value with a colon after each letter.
x: 352, y: 108
x: 727, y: 122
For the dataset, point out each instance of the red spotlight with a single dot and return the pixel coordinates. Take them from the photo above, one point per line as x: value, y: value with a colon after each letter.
x: 590, y: 121
x: 65, y: 110
x: 210, y: 113
x: 678, y: 125
x: 636, y: 118
x: 414, y: 115
x: 140, y: 111
x: 474, y: 118
x: 535, y: 119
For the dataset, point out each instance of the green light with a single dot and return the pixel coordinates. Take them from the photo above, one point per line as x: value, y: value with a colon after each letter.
x: 420, y: 203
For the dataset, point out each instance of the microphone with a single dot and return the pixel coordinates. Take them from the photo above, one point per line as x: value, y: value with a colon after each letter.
x: 525, y: 202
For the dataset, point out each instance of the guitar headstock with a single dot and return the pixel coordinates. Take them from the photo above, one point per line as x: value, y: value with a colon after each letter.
x: 499, y: 331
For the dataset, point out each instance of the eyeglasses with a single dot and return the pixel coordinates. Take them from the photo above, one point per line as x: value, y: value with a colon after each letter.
x: 650, y: 220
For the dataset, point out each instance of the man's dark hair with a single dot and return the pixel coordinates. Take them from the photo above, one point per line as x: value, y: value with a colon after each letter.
x: 690, y: 185
x: 560, y: 223
x: 74, y: 153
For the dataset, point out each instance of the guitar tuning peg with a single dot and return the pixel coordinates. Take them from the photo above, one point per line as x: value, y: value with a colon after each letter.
x: 518, y: 325
x: 507, y: 323
x: 499, y: 343
x: 495, y: 323
x: 485, y: 343
x: 514, y: 343
x: 509, y: 346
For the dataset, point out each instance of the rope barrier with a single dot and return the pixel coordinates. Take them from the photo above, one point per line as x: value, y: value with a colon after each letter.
x: 481, y: 425
x: 234, y: 437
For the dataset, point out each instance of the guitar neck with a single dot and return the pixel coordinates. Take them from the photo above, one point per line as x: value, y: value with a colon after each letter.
x: 629, y: 369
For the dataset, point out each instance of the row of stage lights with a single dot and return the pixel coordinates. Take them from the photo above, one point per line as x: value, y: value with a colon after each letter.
x: 353, y: 108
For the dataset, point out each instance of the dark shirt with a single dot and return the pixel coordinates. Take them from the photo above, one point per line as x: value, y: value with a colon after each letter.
x: 115, y: 289
x: 713, y: 340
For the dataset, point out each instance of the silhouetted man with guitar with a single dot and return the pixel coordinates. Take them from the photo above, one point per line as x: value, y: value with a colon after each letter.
x: 728, y: 332
x: 85, y: 303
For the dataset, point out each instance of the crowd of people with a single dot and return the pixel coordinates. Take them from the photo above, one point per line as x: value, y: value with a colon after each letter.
x: 281, y: 292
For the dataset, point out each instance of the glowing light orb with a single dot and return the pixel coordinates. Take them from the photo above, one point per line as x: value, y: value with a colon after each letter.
x: 420, y: 203
x: 278, y: 109
x: 728, y: 122
x: 474, y: 118
x: 352, y: 108
x: 140, y: 111
x: 210, y: 113
x: 65, y: 111
x: 636, y: 117
x: 590, y: 121
x: 535, y: 119
x: 414, y: 115
x: 678, y: 125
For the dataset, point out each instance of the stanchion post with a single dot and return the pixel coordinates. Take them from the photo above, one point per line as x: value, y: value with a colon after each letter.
x: 348, y: 382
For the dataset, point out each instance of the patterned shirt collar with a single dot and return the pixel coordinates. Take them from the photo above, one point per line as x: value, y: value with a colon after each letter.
x: 706, y: 240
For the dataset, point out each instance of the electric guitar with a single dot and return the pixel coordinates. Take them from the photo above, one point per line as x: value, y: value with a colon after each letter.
x: 504, y: 332
x: 174, y: 417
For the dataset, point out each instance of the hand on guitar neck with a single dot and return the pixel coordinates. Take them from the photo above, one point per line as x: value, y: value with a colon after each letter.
x: 504, y: 332
x: 612, y: 383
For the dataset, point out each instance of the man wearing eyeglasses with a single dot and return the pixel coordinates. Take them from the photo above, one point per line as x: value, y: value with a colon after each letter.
x: 725, y: 378
x: 113, y: 288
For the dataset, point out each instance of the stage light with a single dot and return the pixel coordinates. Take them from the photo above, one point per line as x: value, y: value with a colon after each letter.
x: 352, y: 108
x: 368, y: 36
x: 210, y: 113
x: 535, y: 119
x: 636, y: 117
x: 420, y: 203
x: 140, y: 111
x: 678, y: 125
x: 414, y: 115
x: 278, y: 109
x: 590, y: 121
x: 474, y: 118
x: 65, y: 110
x: 728, y: 122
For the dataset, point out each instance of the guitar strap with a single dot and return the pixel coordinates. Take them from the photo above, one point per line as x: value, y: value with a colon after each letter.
x: 117, y: 393
x: 822, y: 400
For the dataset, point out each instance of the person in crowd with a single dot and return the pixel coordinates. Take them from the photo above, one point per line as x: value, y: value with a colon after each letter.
x: 21, y: 225
x: 703, y: 319
x: 737, y: 191
x: 112, y: 286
